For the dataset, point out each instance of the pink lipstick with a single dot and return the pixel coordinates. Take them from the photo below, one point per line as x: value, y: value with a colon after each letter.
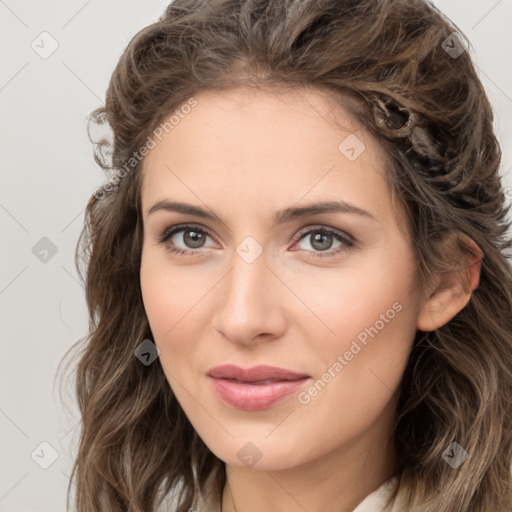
x: 254, y: 388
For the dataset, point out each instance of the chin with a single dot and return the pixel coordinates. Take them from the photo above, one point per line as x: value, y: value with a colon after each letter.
x: 260, y: 453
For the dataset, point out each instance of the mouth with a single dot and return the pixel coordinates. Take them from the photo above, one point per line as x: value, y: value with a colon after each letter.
x: 255, y: 388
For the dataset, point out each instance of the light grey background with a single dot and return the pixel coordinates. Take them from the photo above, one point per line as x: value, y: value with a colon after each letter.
x: 47, y: 176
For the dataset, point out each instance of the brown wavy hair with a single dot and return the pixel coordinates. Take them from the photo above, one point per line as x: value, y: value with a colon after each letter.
x: 387, y: 61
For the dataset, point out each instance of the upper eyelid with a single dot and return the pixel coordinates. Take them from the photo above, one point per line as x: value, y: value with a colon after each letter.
x: 177, y: 228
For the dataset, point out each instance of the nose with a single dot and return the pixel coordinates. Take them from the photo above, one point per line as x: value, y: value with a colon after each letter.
x: 250, y: 307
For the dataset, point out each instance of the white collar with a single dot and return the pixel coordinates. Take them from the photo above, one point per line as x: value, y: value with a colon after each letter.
x: 375, y: 501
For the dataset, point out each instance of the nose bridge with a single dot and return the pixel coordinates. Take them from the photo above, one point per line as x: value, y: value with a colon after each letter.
x: 247, y: 307
x: 246, y: 294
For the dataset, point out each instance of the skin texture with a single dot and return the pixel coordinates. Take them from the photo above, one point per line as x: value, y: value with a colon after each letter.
x: 245, y: 155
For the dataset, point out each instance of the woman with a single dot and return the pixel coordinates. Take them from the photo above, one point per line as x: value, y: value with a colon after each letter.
x: 296, y: 275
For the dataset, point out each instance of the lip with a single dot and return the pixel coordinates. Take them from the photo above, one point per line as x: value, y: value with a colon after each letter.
x: 254, y: 388
x: 254, y: 374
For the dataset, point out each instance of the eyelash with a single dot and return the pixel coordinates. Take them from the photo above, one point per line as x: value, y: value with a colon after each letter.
x: 348, y: 242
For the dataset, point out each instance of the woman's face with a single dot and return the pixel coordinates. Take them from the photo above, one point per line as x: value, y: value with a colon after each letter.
x: 262, y: 284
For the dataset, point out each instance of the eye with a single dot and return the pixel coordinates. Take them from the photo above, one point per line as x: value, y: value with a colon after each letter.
x: 193, y: 237
x: 323, y: 240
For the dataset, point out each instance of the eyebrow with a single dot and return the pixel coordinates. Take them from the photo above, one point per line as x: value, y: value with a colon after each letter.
x: 280, y: 217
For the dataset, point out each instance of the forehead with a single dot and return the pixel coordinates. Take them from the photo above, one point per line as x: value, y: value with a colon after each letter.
x: 275, y: 146
x: 282, y: 125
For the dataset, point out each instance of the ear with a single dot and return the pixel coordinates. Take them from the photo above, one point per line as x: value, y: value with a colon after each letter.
x: 447, y: 296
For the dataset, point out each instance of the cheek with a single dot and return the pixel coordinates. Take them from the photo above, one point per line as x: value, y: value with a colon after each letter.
x: 371, y: 317
x: 374, y: 300
x: 156, y: 297
x: 176, y: 303
x: 371, y: 343
x: 171, y: 295
x: 357, y: 372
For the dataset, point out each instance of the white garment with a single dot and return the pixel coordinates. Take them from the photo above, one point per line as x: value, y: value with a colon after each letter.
x: 375, y: 501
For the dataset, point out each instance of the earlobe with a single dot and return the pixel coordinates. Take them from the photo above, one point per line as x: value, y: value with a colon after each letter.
x: 451, y: 291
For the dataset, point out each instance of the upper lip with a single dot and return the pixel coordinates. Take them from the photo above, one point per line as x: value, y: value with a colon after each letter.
x: 254, y: 374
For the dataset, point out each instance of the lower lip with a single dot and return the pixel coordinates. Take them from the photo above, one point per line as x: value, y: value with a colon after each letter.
x: 254, y: 397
